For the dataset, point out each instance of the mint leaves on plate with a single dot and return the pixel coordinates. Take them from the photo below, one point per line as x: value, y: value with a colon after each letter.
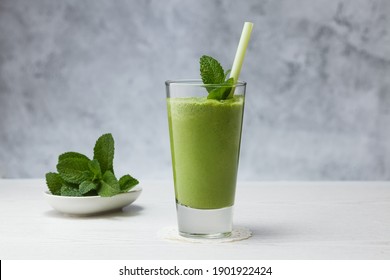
x: 80, y: 176
x: 214, y: 77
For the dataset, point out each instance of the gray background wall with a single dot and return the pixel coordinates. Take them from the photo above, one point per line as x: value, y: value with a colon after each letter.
x: 318, y: 103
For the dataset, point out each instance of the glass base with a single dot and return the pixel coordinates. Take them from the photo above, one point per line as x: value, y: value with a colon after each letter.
x: 204, y: 223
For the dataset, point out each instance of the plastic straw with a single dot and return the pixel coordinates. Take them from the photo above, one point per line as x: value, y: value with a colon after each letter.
x: 240, y: 53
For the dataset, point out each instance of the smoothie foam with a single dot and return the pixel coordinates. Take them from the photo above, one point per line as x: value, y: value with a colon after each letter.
x: 205, y: 143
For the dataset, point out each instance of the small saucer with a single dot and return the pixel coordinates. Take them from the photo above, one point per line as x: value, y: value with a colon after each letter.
x: 90, y: 205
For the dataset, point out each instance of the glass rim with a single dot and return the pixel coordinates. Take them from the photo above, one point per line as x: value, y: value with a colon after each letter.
x: 199, y: 82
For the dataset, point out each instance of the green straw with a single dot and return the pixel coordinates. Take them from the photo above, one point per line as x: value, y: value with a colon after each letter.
x: 240, y: 53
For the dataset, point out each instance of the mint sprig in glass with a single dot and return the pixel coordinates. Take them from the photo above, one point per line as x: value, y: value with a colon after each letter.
x: 212, y: 72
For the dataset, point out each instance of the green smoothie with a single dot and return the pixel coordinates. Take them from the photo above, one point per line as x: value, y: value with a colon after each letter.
x: 205, y: 144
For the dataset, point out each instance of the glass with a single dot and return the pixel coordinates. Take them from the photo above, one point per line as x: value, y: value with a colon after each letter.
x: 205, y: 136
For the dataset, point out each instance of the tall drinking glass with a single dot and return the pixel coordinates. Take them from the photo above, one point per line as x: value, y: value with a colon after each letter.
x: 205, y: 137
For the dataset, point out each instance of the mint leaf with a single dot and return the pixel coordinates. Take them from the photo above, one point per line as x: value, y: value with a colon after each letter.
x: 91, y: 193
x: 211, y: 71
x: 71, y: 155
x: 213, y: 76
x: 54, y: 182
x: 69, y: 191
x: 87, y: 186
x: 227, y: 73
x: 79, y: 176
x: 222, y: 92
x: 103, y: 152
x: 74, y: 170
x: 127, y: 182
x: 109, y: 185
x: 94, y: 166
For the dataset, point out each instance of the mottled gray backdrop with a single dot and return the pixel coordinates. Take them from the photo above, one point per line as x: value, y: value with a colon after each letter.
x: 318, y: 73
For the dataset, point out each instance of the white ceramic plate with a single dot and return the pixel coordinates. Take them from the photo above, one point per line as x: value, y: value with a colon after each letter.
x: 90, y: 205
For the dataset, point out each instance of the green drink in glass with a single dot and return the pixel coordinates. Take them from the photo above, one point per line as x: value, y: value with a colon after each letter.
x: 205, y: 137
x: 205, y: 123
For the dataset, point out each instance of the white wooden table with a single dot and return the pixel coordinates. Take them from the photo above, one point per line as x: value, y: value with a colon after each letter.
x: 289, y: 220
